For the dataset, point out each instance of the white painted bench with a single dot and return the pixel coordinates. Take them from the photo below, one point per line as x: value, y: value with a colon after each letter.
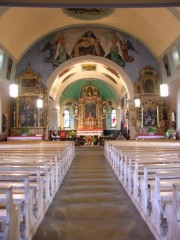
x: 9, y: 215
x: 172, y: 211
x: 161, y: 196
x: 53, y: 160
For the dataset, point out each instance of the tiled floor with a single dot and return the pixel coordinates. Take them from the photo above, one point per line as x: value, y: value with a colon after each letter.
x: 91, y: 204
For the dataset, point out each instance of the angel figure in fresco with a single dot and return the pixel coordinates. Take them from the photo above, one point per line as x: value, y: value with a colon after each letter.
x: 119, y: 50
x: 125, y: 47
x: 115, y: 52
x: 57, y: 50
x: 88, y: 44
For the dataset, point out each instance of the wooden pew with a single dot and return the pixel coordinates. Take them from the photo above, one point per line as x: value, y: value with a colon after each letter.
x: 124, y: 159
x: 172, y: 211
x: 9, y: 215
x: 52, y: 161
x: 26, y: 193
x: 161, y: 196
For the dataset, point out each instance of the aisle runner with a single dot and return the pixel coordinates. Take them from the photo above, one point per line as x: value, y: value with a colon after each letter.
x: 92, y: 205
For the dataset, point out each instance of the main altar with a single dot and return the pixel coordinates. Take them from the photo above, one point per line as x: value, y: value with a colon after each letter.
x: 90, y: 110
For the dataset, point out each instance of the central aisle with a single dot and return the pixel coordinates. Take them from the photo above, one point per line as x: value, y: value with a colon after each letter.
x: 91, y: 204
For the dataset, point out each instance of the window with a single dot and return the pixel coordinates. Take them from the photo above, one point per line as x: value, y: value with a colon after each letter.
x: 66, y: 119
x: 113, y: 118
x: 176, y: 57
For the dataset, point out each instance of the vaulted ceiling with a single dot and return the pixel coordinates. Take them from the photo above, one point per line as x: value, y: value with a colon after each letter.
x: 156, y: 27
x: 155, y: 23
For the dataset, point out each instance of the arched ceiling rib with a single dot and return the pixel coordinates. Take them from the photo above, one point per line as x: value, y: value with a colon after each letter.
x: 157, y: 28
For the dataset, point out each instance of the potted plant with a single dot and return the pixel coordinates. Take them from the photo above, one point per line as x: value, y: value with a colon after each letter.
x: 24, y: 131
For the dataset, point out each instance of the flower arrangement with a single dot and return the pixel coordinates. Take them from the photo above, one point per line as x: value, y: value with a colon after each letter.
x: 72, y: 133
x: 152, y: 130
x: 24, y: 130
x: 90, y: 140
x: 170, y: 134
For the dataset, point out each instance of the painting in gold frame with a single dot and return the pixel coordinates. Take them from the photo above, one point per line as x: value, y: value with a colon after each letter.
x: 28, y: 111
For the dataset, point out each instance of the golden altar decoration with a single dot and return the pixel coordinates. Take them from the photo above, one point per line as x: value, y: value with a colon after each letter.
x: 90, y: 110
x: 25, y: 110
x: 154, y: 110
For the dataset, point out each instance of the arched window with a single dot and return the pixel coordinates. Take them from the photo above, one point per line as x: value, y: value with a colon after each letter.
x: 113, y: 118
x: 66, y: 119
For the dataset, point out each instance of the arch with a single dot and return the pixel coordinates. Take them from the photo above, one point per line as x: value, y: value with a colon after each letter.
x: 122, y: 77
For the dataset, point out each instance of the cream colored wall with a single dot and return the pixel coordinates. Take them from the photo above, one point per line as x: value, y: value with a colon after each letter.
x: 174, y: 103
x: 4, y: 107
x: 157, y: 28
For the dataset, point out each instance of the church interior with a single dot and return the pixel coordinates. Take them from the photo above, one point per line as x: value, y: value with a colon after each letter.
x: 91, y: 80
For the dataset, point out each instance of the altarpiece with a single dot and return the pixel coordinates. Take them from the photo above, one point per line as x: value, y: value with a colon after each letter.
x: 90, y: 110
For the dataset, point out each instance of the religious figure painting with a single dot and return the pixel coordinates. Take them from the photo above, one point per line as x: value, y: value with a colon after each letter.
x: 88, y: 43
x: 57, y: 50
x: 29, y: 82
x: 89, y: 67
x: 149, y: 86
x: 62, y: 45
x: 90, y: 91
x: 88, y: 13
x: 90, y: 110
x: 166, y: 65
x: 119, y: 50
x: 28, y: 113
x: 150, y: 117
x: 9, y: 68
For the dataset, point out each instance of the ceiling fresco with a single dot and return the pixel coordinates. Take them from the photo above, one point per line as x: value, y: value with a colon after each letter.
x: 88, y: 13
x: 74, y: 89
x: 57, y: 48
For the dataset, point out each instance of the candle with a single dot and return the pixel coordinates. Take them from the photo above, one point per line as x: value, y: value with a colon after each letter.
x: 157, y: 116
x: 142, y: 116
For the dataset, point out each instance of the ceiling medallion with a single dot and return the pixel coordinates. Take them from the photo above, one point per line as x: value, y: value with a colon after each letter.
x: 88, y: 13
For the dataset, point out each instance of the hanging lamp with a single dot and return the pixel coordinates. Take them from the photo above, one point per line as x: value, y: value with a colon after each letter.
x: 39, y: 103
x: 164, y: 91
x: 13, y: 90
x: 137, y: 102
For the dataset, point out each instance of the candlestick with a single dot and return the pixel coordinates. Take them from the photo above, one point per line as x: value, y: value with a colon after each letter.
x: 157, y: 116
x: 142, y: 116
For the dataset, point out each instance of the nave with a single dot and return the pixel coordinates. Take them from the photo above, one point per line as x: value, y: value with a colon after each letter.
x: 91, y: 204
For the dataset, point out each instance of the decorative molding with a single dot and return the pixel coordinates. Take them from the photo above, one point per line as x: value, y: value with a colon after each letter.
x: 89, y: 4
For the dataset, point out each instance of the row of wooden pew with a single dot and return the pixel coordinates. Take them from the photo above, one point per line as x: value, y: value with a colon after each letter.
x: 30, y: 175
x: 150, y: 173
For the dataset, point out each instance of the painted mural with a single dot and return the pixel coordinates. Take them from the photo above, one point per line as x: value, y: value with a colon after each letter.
x: 57, y: 48
x: 88, y: 13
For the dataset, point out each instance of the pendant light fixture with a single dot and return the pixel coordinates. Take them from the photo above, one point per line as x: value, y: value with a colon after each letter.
x: 137, y: 102
x: 13, y: 88
x: 164, y: 91
x: 39, y: 103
